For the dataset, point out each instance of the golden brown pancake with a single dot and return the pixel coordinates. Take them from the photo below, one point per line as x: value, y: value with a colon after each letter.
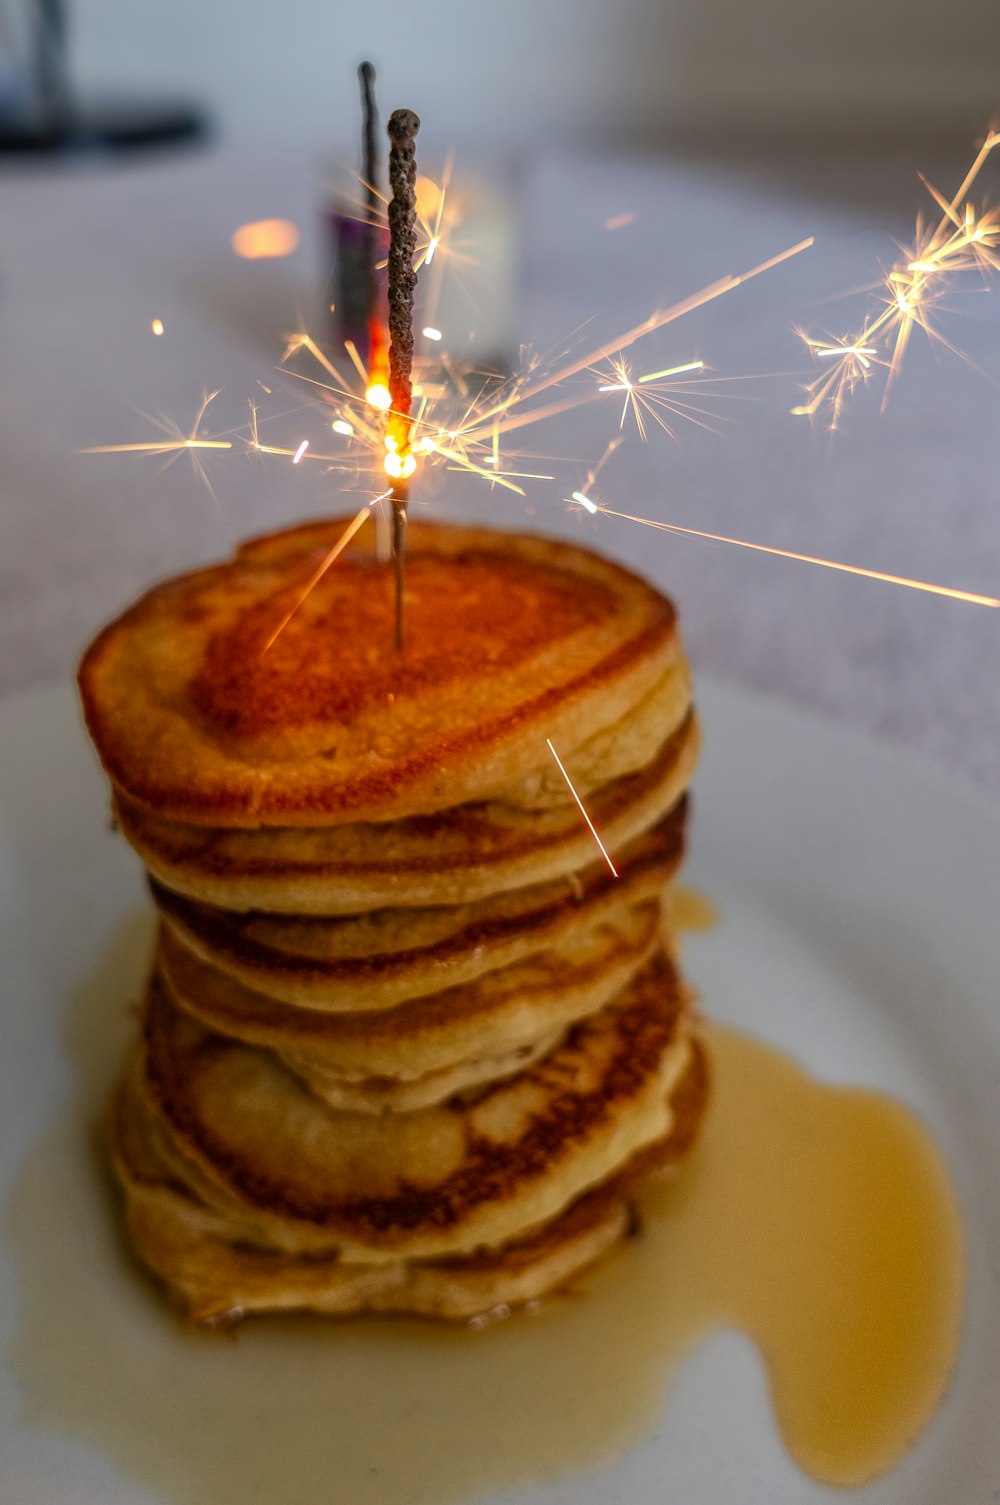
x: 219, y: 1270
x: 409, y: 1042
x: 202, y: 716
x: 456, y: 856
x: 376, y: 960
x: 502, y: 1012
x: 474, y: 1172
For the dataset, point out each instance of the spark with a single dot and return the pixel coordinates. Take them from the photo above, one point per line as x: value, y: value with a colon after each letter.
x: 438, y: 216
x: 656, y: 394
x: 657, y: 320
x: 672, y: 371
x: 853, y: 363
x: 829, y: 564
x: 463, y: 420
x: 619, y: 221
x: 157, y: 326
x: 430, y: 333
x: 356, y: 361
x: 580, y: 496
x: 963, y: 240
x: 341, y: 426
x: 569, y: 783
x: 332, y: 555
x: 300, y: 451
x: 174, y: 442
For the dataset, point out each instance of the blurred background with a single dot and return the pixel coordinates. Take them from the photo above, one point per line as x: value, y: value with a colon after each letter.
x: 633, y: 73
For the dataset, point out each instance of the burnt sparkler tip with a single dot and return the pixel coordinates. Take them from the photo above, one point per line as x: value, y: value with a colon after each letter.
x: 366, y: 73
x: 403, y: 125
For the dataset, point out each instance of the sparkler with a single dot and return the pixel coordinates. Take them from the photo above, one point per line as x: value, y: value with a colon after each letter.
x: 963, y: 240
x: 399, y: 461
x: 377, y: 359
x: 465, y: 421
x: 460, y: 423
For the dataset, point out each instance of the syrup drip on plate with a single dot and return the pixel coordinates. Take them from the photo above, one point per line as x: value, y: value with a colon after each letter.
x: 818, y: 1220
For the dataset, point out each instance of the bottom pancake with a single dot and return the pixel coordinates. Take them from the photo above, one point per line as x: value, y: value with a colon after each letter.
x: 218, y: 1277
x: 478, y: 1170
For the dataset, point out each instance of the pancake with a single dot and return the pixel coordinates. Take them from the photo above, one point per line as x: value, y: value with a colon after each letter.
x: 410, y: 1043
x: 476, y: 1171
x: 504, y: 1011
x: 377, y: 960
x: 386, y: 1094
x: 456, y: 856
x: 218, y: 1273
x: 198, y: 716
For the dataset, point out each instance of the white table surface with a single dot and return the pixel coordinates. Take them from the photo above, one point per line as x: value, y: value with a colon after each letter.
x: 89, y: 258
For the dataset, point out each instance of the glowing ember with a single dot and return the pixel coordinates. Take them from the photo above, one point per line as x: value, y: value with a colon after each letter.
x: 300, y: 451
x: 265, y: 239
x: 429, y: 332
x: 399, y: 466
x: 377, y: 396
x: 580, y: 805
x: 157, y: 326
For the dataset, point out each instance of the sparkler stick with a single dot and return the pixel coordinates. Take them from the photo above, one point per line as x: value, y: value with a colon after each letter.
x: 369, y: 166
x: 370, y: 173
x: 400, y: 463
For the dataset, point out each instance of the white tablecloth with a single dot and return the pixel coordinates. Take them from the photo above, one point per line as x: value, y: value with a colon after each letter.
x: 89, y: 259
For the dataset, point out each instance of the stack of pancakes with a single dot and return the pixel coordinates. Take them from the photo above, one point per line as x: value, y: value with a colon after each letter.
x: 409, y: 1042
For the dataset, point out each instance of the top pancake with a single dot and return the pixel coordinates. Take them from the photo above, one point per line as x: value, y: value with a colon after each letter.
x: 510, y: 640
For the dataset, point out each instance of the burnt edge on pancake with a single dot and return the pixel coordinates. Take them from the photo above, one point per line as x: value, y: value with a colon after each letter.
x: 688, y: 1103
x: 646, y: 1020
x: 332, y: 803
x: 223, y: 932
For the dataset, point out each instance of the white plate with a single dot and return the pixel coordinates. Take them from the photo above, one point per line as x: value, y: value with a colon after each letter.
x: 861, y: 899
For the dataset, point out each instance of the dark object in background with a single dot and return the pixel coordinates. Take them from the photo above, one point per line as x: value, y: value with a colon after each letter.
x: 358, y: 242
x: 42, y: 115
